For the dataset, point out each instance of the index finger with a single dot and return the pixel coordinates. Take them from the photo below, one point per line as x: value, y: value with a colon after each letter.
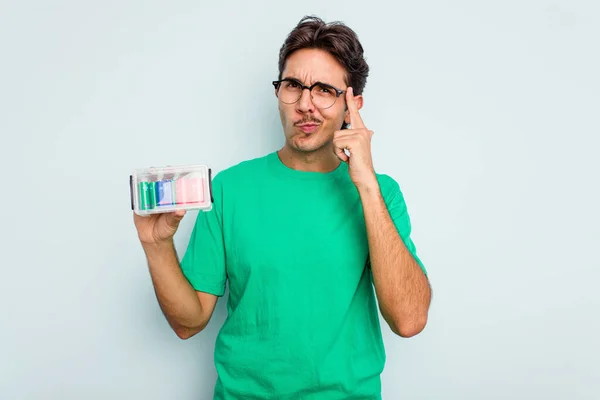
x: 355, y: 118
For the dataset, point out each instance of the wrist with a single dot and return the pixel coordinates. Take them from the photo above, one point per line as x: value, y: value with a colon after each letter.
x: 156, y: 249
x: 368, y: 186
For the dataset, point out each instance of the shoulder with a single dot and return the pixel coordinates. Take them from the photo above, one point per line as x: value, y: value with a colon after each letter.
x: 386, y: 181
x: 236, y: 178
x: 390, y: 188
x: 240, y: 171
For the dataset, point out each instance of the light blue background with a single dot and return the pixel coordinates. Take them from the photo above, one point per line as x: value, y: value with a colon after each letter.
x: 485, y: 112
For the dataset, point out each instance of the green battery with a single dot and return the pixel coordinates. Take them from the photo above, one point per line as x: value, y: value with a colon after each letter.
x: 147, y: 195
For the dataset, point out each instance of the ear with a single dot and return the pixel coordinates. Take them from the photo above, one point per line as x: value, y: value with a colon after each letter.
x: 359, y: 104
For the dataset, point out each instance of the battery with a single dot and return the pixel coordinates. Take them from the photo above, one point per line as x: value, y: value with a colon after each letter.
x: 164, y: 193
x: 190, y: 190
x: 147, y: 195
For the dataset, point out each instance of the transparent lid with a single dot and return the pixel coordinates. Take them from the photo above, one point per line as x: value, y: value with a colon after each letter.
x: 165, y: 189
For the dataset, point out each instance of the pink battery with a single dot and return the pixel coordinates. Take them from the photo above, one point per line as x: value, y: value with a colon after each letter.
x: 189, y: 190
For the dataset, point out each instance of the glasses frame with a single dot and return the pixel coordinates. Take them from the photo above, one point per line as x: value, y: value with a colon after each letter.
x: 338, y: 92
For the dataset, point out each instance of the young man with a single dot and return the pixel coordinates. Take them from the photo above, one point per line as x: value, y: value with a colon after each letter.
x: 308, y: 238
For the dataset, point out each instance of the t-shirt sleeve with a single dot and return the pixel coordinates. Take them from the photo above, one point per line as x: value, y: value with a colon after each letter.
x: 398, y: 211
x: 203, y: 263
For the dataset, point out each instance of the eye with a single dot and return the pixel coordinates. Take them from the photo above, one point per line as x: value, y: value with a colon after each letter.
x: 325, y: 89
x: 292, y: 84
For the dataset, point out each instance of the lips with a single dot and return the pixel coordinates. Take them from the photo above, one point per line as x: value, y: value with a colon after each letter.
x: 308, y: 128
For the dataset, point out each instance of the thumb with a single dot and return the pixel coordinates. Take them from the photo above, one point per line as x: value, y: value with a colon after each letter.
x: 174, y: 218
x: 342, y: 155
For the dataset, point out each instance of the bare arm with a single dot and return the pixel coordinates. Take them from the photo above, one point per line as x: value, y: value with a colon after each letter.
x: 403, y: 290
x: 187, y: 310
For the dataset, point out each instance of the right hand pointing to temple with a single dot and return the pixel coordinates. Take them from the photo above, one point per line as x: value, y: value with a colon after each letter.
x: 157, y: 228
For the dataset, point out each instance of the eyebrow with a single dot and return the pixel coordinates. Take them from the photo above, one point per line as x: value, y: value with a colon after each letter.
x: 298, y: 80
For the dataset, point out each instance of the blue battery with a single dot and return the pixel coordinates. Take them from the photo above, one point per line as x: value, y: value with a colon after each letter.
x: 164, y: 193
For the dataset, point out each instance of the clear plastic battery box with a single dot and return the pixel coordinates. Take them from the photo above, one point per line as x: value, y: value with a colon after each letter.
x: 165, y: 189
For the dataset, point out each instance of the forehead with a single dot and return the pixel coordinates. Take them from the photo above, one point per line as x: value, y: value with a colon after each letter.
x: 312, y: 65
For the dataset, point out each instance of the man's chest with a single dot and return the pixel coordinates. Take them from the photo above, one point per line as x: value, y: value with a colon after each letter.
x: 296, y: 235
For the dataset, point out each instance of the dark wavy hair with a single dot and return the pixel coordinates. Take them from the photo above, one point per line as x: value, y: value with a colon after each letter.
x: 334, y: 37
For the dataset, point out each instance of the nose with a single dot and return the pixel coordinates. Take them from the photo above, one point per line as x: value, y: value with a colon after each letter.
x: 305, y: 103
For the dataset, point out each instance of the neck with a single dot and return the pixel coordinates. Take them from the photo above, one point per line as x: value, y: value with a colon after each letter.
x: 321, y: 160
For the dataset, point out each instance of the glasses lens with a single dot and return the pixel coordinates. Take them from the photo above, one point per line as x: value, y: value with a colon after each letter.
x: 323, y: 96
x: 289, y: 92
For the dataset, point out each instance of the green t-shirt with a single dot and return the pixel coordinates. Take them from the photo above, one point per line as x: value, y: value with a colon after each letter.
x: 302, y: 317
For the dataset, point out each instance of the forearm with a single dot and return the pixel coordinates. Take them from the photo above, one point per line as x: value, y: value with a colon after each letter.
x: 402, y: 288
x: 177, y: 298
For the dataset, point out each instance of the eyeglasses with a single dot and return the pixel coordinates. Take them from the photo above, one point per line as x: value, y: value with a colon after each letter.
x: 290, y: 91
